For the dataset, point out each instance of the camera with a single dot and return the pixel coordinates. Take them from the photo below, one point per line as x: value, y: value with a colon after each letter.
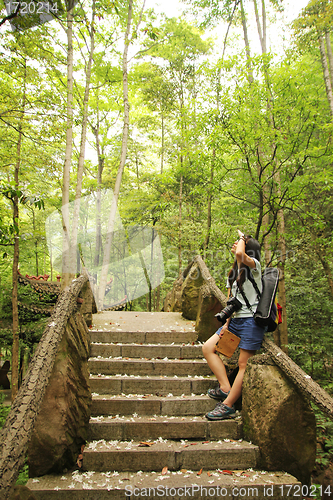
x: 232, y: 306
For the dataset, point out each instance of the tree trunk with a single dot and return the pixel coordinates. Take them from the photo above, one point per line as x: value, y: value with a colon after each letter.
x: 100, y: 158
x: 16, y: 341
x: 326, y: 72
x: 113, y: 210
x: 66, y: 271
x: 283, y: 328
x: 75, y: 223
x: 264, y: 216
x: 180, y: 203
x: 36, y: 244
x: 15, y: 201
x: 162, y: 143
x: 209, y: 204
x: 261, y: 31
x: 282, y: 331
x: 247, y: 44
x: 329, y: 55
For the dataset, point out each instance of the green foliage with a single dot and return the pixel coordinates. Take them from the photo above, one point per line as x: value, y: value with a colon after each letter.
x: 325, y: 441
x: 4, y: 410
x: 23, y: 476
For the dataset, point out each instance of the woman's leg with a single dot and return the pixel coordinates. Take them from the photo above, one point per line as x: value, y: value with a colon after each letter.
x: 215, y: 363
x: 236, y: 389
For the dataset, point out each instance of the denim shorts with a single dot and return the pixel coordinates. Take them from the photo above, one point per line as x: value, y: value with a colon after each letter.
x: 250, y: 333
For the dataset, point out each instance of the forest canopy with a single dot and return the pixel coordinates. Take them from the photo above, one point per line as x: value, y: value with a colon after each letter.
x: 195, y: 135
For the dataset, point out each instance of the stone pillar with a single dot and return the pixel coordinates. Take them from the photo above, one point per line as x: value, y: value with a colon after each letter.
x: 88, y: 306
x: 208, y: 305
x: 278, y: 419
x: 190, y: 293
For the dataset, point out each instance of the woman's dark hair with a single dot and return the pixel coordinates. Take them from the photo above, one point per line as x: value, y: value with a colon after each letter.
x: 252, y: 249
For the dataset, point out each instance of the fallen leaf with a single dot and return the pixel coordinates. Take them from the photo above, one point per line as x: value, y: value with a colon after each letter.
x: 205, y: 442
x: 227, y: 472
x: 193, y: 443
x: 199, y: 473
x: 183, y: 470
x: 209, y: 473
x: 145, y: 443
x: 164, y: 470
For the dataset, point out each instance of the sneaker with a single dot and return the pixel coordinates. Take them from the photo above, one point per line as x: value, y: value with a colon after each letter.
x: 221, y: 412
x: 217, y: 393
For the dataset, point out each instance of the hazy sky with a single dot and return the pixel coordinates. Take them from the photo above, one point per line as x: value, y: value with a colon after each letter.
x: 174, y: 7
x: 277, y: 37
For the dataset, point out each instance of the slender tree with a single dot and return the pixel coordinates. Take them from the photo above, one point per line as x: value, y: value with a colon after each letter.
x: 116, y: 191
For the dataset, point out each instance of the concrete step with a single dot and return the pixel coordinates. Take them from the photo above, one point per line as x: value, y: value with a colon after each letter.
x: 151, y: 405
x: 211, y: 484
x: 149, y: 385
x: 157, y: 351
x: 158, y: 386
x: 141, y: 367
x: 147, y: 428
x: 103, y: 456
x: 142, y: 337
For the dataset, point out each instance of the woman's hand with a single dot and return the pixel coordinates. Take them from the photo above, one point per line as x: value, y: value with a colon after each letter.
x: 234, y: 247
x: 224, y: 328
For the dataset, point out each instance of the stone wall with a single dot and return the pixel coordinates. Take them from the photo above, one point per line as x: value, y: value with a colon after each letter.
x: 278, y: 419
x: 61, y: 427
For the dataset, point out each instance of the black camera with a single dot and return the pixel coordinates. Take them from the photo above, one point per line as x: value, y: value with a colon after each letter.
x: 232, y: 306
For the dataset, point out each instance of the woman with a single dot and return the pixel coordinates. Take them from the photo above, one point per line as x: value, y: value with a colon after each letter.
x: 247, y: 259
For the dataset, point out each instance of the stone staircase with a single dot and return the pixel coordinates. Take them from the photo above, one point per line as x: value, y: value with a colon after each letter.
x: 148, y: 433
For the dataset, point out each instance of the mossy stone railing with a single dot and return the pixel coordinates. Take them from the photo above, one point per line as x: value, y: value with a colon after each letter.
x: 18, y: 428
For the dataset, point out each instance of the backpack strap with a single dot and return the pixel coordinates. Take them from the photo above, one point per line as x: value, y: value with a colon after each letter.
x: 255, y: 286
x: 246, y: 300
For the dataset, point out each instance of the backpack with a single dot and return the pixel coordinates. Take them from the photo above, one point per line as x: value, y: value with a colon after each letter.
x: 268, y: 312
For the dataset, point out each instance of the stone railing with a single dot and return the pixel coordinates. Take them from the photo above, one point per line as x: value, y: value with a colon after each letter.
x: 197, y: 296
x: 66, y: 333
x: 276, y: 412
